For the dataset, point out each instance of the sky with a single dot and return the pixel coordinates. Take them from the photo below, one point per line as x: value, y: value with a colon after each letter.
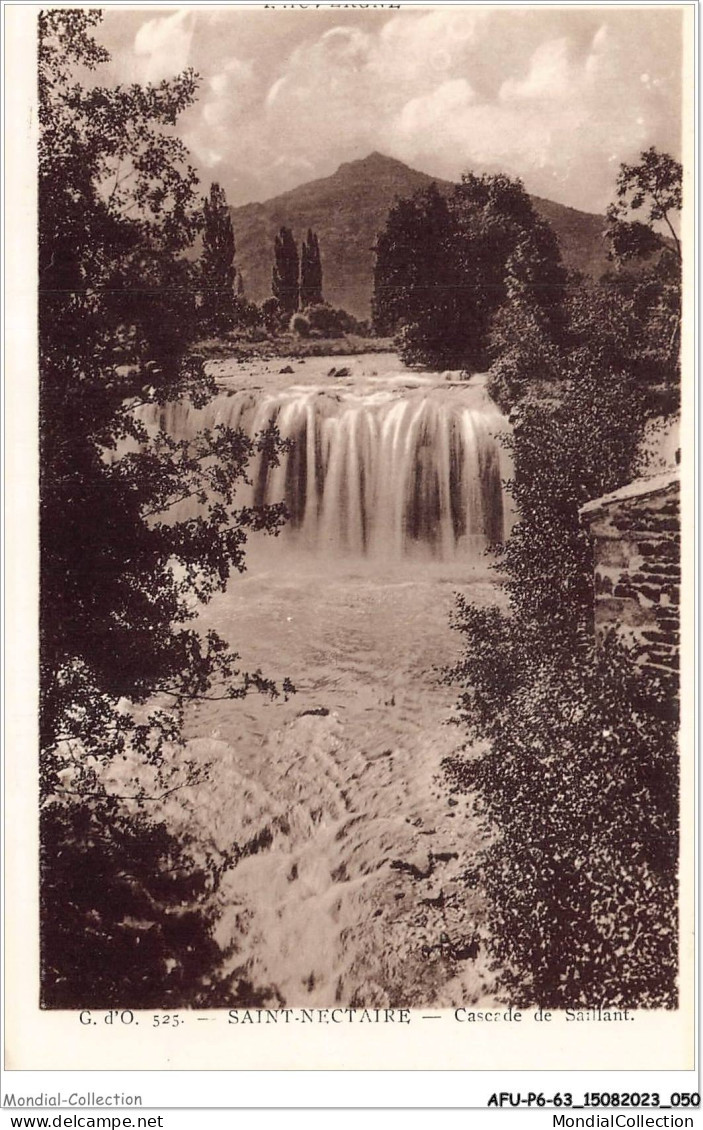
x: 558, y: 96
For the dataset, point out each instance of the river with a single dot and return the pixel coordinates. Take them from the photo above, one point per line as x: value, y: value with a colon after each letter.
x: 349, y: 886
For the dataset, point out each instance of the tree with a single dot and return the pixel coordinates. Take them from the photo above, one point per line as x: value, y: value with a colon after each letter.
x: 327, y: 322
x: 416, y: 283
x: 648, y: 297
x: 628, y: 322
x: 119, y: 655
x: 578, y: 788
x: 579, y: 744
x: 446, y: 266
x: 577, y: 778
x: 217, y: 261
x: 124, y: 923
x: 631, y: 320
x: 655, y: 185
x: 285, y: 282
x: 310, y: 272
x: 117, y: 208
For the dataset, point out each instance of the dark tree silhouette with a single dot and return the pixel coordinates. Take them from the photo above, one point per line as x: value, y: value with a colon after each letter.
x: 119, y: 575
x: 580, y: 771
x: 446, y: 265
x: 655, y: 185
x: 217, y: 267
x: 310, y: 272
x: 643, y: 291
x: 285, y: 283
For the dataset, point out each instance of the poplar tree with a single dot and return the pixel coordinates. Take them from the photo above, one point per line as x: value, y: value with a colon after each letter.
x: 310, y: 271
x: 285, y: 283
x: 217, y: 260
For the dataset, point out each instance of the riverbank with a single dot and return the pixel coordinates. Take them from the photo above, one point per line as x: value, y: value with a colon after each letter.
x: 290, y: 345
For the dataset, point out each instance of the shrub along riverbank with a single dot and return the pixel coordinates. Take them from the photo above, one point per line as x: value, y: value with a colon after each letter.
x: 242, y: 347
x: 579, y: 786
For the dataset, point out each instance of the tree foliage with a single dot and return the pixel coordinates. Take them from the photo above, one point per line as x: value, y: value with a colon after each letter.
x: 579, y: 792
x: 654, y: 186
x: 120, y: 656
x: 629, y: 322
x: 218, y: 272
x: 285, y: 282
x: 641, y: 299
x: 124, y: 924
x: 578, y: 782
x: 114, y: 335
x: 416, y: 283
x: 446, y: 266
x: 300, y: 325
x: 326, y: 321
x: 310, y: 272
x: 272, y: 314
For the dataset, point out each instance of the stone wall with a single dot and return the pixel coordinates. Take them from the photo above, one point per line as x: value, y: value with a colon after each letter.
x: 637, y: 552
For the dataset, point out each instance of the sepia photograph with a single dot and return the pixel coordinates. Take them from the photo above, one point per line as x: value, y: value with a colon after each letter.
x: 360, y: 482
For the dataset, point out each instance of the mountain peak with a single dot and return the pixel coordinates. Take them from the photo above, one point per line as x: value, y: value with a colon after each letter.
x: 348, y: 209
x: 373, y: 162
x: 377, y: 158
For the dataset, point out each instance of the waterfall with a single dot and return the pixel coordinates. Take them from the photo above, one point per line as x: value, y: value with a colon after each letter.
x: 389, y: 468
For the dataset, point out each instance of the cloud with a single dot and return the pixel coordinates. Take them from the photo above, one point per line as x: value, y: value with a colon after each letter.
x: 453, y: 132
x: 558, y: 96
x: 550, y: 75
x: 431, y: 46
x: 571, y: 109
x: 164, y: 45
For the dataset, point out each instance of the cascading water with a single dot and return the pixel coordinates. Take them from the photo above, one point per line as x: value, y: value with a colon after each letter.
x: 393, y: 466
x: 349, y: 886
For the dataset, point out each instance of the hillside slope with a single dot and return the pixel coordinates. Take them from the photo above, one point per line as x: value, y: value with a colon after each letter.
x: 349, y: 208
